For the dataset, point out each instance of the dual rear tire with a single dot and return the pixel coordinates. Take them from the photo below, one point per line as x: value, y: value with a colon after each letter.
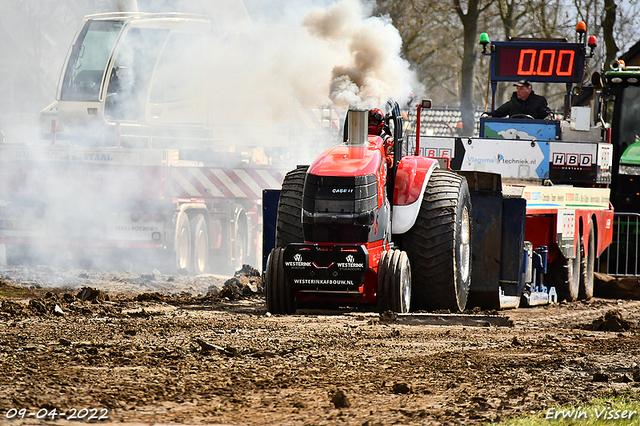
x: 573, y: 278
x: 588, y: 264
x: 192, y: 245
x: 279, y: 295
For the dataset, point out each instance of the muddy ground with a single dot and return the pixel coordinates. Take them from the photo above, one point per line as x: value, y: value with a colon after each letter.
x: 157, y: 349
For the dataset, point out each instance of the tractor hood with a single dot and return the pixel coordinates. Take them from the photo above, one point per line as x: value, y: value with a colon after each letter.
x: 343, y: 160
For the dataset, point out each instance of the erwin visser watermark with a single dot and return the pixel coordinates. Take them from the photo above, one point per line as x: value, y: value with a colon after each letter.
x: 605, y: 413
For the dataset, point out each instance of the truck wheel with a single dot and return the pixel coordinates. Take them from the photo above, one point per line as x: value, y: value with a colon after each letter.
x: 289, y: 221
x: 439, y: 244
x: 587, y: 265
x: 394, y: 282
x: 200, y: 250
x: 280, y: 298
x: 183, y: 244
x: 239, y: 253
x: 565, y: 277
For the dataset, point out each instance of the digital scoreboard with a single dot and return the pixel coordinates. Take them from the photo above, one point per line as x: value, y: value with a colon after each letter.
x: 537, y: 61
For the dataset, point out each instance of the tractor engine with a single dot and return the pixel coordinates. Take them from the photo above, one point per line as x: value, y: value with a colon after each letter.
x: 348, y: 209
x: 340, y: 209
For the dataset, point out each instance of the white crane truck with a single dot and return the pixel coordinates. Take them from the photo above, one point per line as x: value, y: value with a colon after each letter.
x: 140, y: 157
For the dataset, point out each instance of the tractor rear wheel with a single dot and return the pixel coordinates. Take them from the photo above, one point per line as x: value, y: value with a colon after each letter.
x: 289, y: 221
x: 439, y: 244
x: 394, y: 282
x: 280, y: 297
x: 587, y: 265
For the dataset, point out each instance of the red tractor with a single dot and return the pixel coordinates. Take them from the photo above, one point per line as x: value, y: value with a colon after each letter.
x: 353, y: 228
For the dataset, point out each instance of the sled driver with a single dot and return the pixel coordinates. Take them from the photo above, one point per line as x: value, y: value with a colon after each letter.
x: 524, y: 102
x: 377, y: 128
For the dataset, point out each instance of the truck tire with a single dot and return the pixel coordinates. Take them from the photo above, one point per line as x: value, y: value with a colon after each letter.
x: 279, y: 295
x: 200, y: 249
x: 565, y: 277
x: 587, y: 265
x: 439, y: 244
x: 289, y: 221
x: 183, y: 245
x: 394, y: 282
x: 239, y: 248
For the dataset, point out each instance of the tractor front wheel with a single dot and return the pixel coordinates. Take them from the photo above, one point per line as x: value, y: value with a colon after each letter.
x: 280, y: 297
x: 394, y: 282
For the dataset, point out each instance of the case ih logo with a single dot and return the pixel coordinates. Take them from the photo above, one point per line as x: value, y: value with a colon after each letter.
x: 572, y: 160
x: 342, y: 190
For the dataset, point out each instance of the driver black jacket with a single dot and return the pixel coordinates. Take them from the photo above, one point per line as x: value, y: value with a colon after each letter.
x: 535, y: 106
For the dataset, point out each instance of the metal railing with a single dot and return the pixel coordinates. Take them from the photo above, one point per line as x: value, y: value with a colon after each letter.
x: 620, y: 259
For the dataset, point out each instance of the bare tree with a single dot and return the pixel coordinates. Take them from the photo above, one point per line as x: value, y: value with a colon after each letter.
x: 469, y: 21
x: 513, y: 15
x: 35, y: 39
x: 608, y: 23
x: 432, y: 42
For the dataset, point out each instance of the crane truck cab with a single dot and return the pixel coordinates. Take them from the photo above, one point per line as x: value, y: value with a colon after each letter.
x: 139, y: 80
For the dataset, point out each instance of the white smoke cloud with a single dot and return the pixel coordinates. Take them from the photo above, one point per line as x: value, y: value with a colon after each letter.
x: 375, y: 69
x: 253, y: 80
x: 336, y: 53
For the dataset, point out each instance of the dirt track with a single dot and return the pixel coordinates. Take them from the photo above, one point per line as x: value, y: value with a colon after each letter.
x: 148, y: 357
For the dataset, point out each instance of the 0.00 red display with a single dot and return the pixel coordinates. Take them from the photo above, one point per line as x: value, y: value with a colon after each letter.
x: 543, y: 62
x: 536, y: 62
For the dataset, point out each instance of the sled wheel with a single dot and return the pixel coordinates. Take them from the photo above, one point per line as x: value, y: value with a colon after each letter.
x: 183, y: 244
x: 200, y: 250
x: 439, y: 244
x: 565, y: 277
x: 280, y: 297
x: 289, y: 221
x: 587, y: 265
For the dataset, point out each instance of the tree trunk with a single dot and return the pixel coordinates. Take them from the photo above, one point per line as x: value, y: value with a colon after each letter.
x: 470, y: 25
x: 467, y: 106
x: 608, y: 22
